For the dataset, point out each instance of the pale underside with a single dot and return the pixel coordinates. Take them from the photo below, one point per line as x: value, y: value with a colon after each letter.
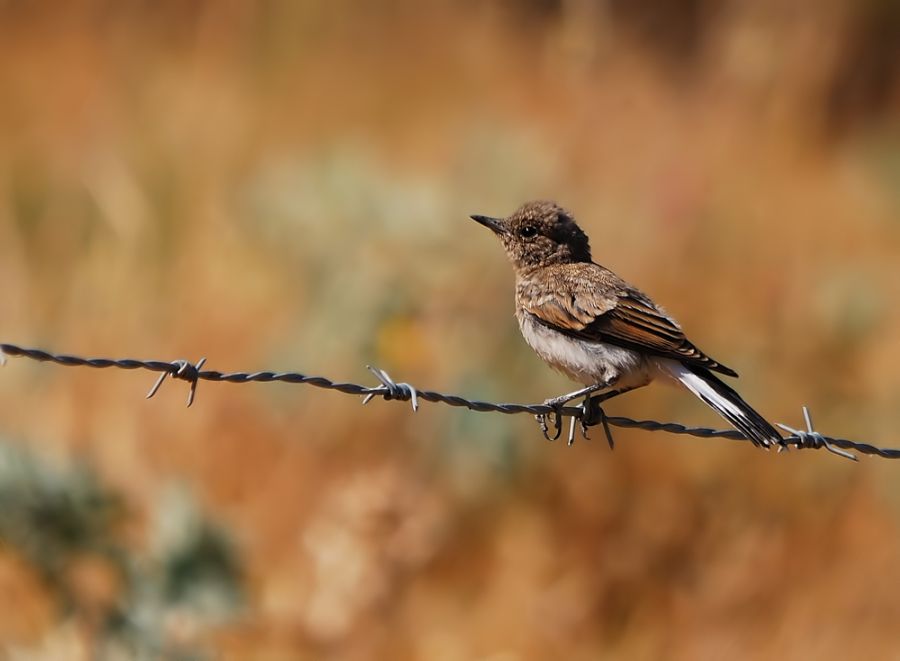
x: 585, y: 361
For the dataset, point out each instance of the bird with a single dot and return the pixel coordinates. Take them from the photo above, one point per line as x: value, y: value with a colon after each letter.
x: 597, y: 329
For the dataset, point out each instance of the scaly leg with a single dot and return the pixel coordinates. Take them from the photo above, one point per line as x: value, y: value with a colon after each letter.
x: 557, y: 404
x: 593, y: 413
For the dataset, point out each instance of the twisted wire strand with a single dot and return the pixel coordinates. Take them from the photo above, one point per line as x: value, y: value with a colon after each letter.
x: 391, y: 390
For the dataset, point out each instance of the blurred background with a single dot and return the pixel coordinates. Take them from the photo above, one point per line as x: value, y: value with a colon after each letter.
x: 286, y: 185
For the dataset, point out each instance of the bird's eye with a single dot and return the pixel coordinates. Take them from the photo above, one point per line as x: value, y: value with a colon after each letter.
x: 528, y: 231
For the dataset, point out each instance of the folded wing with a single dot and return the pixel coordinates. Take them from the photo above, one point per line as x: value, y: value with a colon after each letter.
x: 597, y: 305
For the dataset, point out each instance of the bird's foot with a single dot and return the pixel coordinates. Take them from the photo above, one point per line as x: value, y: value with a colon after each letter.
x: 588, y: 416
x: 544, y: 421
x: 553, y: 418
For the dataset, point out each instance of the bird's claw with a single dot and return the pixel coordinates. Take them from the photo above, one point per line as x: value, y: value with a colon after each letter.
x: 591, y: 413
x: 556, y: 418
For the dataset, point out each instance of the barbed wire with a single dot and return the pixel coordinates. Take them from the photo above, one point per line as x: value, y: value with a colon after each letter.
x: 587, y: 415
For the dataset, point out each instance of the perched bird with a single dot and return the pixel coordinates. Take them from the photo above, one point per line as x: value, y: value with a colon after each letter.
x: 597, y: 329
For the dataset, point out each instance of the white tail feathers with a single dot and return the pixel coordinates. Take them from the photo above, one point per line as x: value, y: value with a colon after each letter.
x: 724, y: 401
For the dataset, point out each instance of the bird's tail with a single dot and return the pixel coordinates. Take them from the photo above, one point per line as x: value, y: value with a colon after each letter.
x: 726, y: 402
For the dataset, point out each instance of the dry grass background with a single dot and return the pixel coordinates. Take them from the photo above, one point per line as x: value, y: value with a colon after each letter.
x: 286, y: 185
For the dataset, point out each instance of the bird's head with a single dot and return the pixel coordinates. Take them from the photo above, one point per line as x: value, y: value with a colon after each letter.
x: 539, y: 234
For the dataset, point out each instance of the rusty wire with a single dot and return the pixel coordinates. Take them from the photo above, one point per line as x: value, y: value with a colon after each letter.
x: 388, y: 389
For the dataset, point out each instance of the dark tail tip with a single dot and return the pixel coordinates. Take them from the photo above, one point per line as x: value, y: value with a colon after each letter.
x: 746, y: 420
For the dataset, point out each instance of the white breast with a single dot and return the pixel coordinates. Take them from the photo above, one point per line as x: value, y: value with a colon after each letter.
x: 581, y: 360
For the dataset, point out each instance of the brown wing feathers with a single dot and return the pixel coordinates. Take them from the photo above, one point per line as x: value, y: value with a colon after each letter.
x: 640, y: 325
x: 618, y: 315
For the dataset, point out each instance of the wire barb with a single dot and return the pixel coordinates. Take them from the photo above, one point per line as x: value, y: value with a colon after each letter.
x: 594, y: 414
x: 184, y: 370
x: 392, y: 390
x: 811, y: 439
x: 587, y: 414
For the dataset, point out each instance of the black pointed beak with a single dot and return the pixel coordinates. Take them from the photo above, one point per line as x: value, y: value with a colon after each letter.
x: 496, y: 225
